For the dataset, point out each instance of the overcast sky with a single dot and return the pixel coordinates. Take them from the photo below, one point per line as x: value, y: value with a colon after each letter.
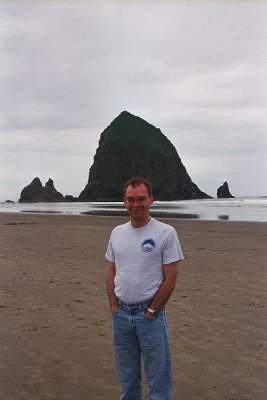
x: 195, y: 69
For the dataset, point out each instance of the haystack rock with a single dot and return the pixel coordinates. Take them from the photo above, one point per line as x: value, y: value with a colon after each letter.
x: 35, y: 192
x: 223, y: 192
x: 128, y: 147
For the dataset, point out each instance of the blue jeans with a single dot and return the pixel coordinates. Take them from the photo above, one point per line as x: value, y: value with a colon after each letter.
x: 135, y: 336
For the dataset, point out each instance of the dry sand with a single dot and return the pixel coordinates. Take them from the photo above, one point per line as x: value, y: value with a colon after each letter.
x: 55, y: 331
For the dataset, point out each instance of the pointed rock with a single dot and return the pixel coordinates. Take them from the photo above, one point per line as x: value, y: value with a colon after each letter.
x: 129, y: 147
x: 36, y: 182
x: 50, y: 184
x: 52, y: 193
x: 223, y: 192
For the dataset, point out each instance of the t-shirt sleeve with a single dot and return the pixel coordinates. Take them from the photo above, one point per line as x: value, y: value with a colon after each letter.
x: 172, y: 250
x: 110, y: 256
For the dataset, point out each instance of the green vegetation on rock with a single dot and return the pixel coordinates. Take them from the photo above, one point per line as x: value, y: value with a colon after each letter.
x: 128, y: 147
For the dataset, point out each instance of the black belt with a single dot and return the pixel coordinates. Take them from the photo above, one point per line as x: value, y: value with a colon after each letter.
x: 135, y: 307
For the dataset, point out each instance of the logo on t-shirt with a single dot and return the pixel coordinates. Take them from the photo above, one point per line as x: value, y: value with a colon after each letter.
x: 148, y: 245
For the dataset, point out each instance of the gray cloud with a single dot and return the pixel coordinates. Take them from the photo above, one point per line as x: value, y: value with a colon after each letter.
x: 194, y: 69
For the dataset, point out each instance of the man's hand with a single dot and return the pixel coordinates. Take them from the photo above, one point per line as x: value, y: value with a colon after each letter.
x: 149, y: 316
x: 114, y: 308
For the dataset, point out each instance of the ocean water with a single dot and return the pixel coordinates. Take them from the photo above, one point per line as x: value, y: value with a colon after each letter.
x: 238, y: 209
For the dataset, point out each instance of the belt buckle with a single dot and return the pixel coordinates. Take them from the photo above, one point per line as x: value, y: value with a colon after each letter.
x: 132, y: 307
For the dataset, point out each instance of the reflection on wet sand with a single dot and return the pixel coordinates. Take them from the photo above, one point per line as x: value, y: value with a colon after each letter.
x: 223, y: 217
x: 154, y: 213
x: 41, y: 212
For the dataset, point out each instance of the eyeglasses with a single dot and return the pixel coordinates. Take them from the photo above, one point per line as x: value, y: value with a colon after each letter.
x: 137, y: 200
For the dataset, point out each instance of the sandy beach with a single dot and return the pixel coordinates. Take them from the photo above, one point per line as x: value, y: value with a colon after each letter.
x: 55, y: 331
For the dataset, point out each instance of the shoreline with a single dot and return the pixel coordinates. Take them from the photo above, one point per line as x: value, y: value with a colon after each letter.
x: 162, y: 216
x: 234, y: 210
x: 56, y: 335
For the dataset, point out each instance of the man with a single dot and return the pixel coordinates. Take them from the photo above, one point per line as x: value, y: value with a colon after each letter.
x: 143, y: 257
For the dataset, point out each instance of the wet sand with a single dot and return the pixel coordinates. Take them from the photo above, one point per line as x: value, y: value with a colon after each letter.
x: 55, y: 331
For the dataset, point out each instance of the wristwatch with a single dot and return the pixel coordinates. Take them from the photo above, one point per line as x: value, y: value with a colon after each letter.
x: 152, y: 311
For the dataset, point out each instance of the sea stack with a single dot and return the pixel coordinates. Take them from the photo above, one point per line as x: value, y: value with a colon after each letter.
x: 129, y: 147
x: 35, y: 192
x: 223, y: 192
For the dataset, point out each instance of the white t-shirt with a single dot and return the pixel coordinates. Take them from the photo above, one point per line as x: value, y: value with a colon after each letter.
x: 139, y: 254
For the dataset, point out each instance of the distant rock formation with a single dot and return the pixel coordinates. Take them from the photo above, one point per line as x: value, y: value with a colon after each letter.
x: 35, y: 192
x: 71, y: 199
x: 223, y: 192
x: 128, y: 147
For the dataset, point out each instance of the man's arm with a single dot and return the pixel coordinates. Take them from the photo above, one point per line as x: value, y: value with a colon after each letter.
x: 170, y: 272
x: 113, y: 301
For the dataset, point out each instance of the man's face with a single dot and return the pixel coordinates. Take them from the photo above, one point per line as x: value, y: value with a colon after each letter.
x: 138, y: 202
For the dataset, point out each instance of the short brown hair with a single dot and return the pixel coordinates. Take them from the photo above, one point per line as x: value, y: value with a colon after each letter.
x: 136, y: 181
